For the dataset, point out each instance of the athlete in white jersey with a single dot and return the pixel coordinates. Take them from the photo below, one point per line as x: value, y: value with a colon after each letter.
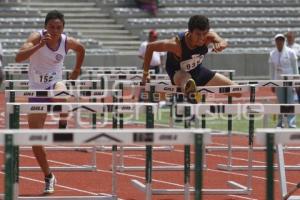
x: 46, y: 64
x: 46, y: 50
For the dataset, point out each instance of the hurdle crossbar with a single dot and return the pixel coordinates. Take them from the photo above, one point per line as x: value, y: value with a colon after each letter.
x: 95, y: 84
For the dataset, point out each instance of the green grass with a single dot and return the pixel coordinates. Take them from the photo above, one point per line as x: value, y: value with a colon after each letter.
x: 239, y: 124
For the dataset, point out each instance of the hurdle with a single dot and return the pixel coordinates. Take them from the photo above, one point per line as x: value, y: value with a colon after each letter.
x: 198, y: 110
x: 121, y: 85
x: 255, y: 109
x: 12, y: 138
x: 87, y: 84
x: 278, y: 138
x: 71, y: 84
x: 257, y: 84
x: 119, y: 67
x: 162, y: 87
x: 77, y: 84
x: 10, y: 96
x: 10, y: 73
x: 14, y: 110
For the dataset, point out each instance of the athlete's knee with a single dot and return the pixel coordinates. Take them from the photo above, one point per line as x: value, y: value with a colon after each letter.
x: 60, y: 86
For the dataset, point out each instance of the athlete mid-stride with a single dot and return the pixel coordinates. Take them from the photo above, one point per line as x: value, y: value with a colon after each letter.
x: 46, y: 50
x: 185, y: 55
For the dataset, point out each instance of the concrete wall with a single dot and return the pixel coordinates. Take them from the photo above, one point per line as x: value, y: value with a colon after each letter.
x: 247, y: 66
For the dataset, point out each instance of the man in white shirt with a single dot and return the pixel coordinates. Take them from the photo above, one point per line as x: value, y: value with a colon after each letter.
x: 290, y: 42
x: 283, y: 60
x: 156, y: 57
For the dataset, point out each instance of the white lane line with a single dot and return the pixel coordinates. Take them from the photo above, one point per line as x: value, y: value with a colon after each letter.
x: 170, y: 183
x: 62, y: 186
x: 242, y: 197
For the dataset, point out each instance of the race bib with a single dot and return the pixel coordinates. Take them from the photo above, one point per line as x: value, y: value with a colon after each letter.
x: 192, y: 63
x: 44, y: 78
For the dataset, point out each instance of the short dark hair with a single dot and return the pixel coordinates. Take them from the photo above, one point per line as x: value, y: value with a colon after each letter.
x: 54, y: 14
x: 200, y: 22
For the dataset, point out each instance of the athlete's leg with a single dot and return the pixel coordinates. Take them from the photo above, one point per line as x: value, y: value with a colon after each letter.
x: 220, y: 80
x: 36, y: 121
x: 181, y: 78
x: 60, y: 86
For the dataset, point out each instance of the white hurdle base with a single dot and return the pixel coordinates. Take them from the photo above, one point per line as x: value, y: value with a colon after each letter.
x: 294, y: 198
x: 154, y: 168
x: 254, y: 167
x: 67, y: 197
x: 127, y: 148
x: 237, y: 189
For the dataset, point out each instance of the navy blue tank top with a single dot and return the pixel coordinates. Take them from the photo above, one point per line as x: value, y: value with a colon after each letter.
x: 191, y: 59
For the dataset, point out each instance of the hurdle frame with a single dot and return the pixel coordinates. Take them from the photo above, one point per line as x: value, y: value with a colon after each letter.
x: 94, y: 94
x: 256, y: 84
x: 238, y: 188
x: 63, y: 107
x: 13, y: 138
x: 278, y: 138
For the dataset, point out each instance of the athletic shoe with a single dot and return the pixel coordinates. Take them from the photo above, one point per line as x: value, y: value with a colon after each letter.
x: 49, y: 184
x: 190, y: 91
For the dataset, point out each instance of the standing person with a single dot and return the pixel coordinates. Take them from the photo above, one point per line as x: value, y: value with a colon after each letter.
x: 46, y: 50
x: 185, y: 54
x: 156, y: 56
x: 290, y: 42
x: 283, y: 60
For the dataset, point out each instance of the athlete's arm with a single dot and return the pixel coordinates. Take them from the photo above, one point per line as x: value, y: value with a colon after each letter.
x: 169, y: 45
x: 79, y: 49
x: 33, y: 43
x: 219, y: 44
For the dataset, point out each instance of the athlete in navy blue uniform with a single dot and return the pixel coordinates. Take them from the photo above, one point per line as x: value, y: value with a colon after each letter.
x: 185, y: 54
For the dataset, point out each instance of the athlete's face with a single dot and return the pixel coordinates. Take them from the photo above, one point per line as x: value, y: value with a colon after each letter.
x: 198, y: 37
x: 55, y: 28
x: 279, y: 43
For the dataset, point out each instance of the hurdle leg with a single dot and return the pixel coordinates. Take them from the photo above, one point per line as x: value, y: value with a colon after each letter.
x: 282, y: 177
x: 198, y: 166
x: 187, y: 155
x: 270, y: 167
x: 10, y: 173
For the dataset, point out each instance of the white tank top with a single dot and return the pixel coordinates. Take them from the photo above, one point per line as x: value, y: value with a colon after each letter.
x: 46, y: 65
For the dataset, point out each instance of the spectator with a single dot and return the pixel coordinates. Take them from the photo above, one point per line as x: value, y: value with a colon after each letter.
x: 148, y: 5
x: 290, y: 36
x: 156, y: 57
x: 283, y: 60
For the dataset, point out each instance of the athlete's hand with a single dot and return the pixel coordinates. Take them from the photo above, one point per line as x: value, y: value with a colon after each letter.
x: 218, y: 47
x: 75, y: 73
x: 45, y: 38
